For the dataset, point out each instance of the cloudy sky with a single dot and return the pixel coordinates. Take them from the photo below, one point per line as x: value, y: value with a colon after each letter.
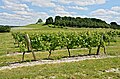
x: 23, y: 12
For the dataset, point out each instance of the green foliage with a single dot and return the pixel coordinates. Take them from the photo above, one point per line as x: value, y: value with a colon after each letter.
x: 5, y: 29
x: 36, y: 42
x: 52, y: 26
x: 20, y: 40
x: 49, y: 20
x: 114, y: 25
x: 39, y: 21
x: 78, y: 22
x: 52, y: 41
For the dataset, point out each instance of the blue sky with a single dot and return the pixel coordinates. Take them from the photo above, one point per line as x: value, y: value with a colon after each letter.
x: 23, y: 12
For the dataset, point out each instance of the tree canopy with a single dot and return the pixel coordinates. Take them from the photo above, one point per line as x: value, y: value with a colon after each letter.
x: 5, y: 28
x: 49, y: 20
x: 77, y: 22
x: 114, y: 25
x: 39, y: 21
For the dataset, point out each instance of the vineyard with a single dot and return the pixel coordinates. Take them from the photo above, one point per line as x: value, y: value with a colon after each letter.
x: 62, y: 40
x: 43, y: 43
x: 59, y: 39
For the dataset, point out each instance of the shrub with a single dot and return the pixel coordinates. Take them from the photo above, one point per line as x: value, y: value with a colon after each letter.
x: 5, y: 28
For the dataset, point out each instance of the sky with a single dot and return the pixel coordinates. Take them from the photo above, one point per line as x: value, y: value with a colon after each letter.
x: 24, y: 12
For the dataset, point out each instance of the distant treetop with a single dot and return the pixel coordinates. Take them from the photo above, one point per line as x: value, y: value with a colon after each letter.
x: 39, y: 21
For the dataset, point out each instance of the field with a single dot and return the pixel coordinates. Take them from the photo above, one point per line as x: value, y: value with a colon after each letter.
x: 9, y: 53
x: 88, y: 69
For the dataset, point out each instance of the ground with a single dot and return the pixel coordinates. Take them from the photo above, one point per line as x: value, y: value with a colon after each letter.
x: 108, y: 68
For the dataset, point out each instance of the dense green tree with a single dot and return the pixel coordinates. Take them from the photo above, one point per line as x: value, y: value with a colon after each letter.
x: 80, y: 22
x: 77, y: 22
x: 49, y: 20
x: 5, y: 28
x: 114, y: 25
x: 39, y: 21
x: 57, y: 19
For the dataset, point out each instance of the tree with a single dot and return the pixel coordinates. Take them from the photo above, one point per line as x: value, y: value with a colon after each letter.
x: 57, y: 18
x: 39, y: 21
x: 49, y: 20
x: 113, y: 23
x: 78, y: 22
x: 5, y: 28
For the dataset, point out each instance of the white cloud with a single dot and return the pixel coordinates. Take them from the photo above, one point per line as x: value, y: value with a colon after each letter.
x: 116, y: 8
x: 65, y: 1
x: 83, y: 2
x: 21, y: 14
x: 61, y: 10
x: 7, y: 16
x: 42, y: 3
x: 108, y: 15
x: 78, y: 8
x: 101, y: 12
x: 9, y: 19
x: 16, y: 19
x: 14, y: 6
x: 100, y: 1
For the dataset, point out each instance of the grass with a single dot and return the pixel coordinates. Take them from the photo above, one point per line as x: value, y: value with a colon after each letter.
x: 33, y: 28
x: 87, y: 69
x: 58, y: 54
x: 7, y: 44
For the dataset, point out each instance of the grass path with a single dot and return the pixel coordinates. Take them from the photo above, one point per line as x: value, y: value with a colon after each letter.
x: 40, y: 62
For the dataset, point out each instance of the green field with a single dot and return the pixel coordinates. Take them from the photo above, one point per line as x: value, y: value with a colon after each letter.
x: 7, y: 42
x: 88, y: 69
x: 76, y: 70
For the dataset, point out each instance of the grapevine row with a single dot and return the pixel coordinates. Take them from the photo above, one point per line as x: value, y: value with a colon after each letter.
x: 53, y: 41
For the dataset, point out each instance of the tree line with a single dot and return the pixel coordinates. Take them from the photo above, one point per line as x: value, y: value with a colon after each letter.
x: 5, y: 28
x: 80, y: 22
